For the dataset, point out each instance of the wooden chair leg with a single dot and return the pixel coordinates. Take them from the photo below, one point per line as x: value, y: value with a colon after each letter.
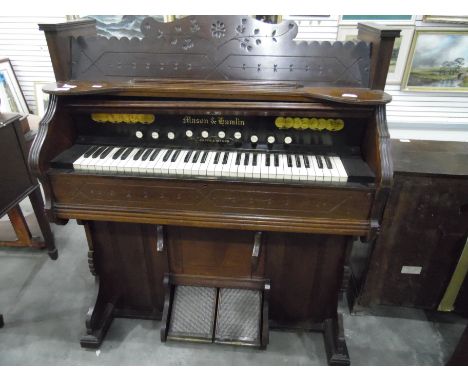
x: 38, y: 206
x: 23, y: 234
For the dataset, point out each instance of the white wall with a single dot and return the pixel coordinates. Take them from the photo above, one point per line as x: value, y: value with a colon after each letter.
x: 24, y: 44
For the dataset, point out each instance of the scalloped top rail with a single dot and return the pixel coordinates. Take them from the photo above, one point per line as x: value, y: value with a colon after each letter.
x: 220, y: 90
x: 220, y: 48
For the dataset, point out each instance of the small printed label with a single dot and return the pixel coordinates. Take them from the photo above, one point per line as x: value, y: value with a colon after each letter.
x: 405, y: 140
x: 350, y: 95
x: 409, y: 270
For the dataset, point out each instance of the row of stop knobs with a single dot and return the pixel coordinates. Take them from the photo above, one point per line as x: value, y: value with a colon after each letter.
x: 221, y: 134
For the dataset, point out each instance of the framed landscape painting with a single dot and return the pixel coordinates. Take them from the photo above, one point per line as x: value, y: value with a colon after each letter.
x: 438, y: 61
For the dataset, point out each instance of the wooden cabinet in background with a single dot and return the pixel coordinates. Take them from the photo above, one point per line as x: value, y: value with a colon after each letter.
x: 424, y: 228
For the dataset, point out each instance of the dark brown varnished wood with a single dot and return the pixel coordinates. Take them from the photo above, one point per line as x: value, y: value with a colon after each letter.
x: 147, y: 235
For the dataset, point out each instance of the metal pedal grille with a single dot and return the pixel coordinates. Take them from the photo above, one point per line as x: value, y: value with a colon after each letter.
x: 193, y: 313
x: 238, y: 318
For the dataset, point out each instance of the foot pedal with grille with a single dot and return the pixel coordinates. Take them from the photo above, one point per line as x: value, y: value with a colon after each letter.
x: 220, y: 315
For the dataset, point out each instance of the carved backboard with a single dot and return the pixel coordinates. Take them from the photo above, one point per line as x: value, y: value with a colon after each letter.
x: 220, y: 48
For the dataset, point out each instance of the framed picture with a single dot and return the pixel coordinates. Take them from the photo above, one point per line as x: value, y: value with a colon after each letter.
x: 445, y: 19
x: 11, y: 97
x: 400, y: 50
x: 42, y: 99
x: 438, y: 61
x: 387, y: 19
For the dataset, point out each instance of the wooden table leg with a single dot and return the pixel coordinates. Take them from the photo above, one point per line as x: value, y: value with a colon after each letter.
x: 38, y: 205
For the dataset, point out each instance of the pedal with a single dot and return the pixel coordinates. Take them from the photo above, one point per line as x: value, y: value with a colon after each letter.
x: 193, y: 314
x: 238, y: 318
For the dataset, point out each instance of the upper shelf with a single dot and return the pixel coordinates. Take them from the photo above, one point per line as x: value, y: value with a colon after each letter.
x: 217, y: 48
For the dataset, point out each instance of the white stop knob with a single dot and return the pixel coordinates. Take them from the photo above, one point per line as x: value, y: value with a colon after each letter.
x: 221, y: 134
x: 170, y: 135
x: 139, y: 134
x: 237, y: 135
x: 205, y: 134
x: 155, y: 135
x: 254, y: 139
x: 287, y: 140
x: 271, y: 139
x: 189, y: 133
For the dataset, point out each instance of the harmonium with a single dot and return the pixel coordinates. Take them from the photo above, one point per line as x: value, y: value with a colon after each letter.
x: 221, y: 171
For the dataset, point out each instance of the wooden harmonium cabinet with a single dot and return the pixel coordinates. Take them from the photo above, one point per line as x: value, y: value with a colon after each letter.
x: 220, y: 196
x: 421, y: 256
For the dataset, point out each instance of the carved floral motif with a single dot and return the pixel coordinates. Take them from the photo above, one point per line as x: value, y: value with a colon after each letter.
x: 218, y: 29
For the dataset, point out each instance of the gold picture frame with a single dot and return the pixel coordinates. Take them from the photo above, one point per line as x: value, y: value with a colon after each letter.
x: 437, y: 61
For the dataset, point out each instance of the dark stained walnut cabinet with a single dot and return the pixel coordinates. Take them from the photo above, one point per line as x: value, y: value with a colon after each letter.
x: 154, y: 239
x: 425, y: 226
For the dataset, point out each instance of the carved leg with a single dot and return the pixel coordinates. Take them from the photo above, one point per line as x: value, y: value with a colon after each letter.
x: 38, y: 205
x: 335, y: 342
x: 98, y: 319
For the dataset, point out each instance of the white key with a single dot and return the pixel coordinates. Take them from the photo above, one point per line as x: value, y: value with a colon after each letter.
x: 302, y: 169
x: 343, y: 176
x: 280, y: 168
x: 296, y: 174
x: 326, y: 172
x: 310, y: 170
x: 211, y: 168
x: 218, y: 170
x: 225, y: 171
x: 286, y: 169
x: 257, y: 167
x: 175, y: 165
x: 197, y: 164
x: 272, y: 167
x: 335, y: 174
x: 85, y: 164
x: 264, y: 170
x: 318, y: 171
x: 204, y: 166
x: 179, y: 167
x: 136, y: 164
x: 233, y: 166
x: 249, y: 167
x: 115, y: 164
x: 144, y: 162
x: 127, y: 166
x: 192, y: 163
x: 77, y: 163
x: 150, y: 163
x: 241, y: 167
x: 95, y: 164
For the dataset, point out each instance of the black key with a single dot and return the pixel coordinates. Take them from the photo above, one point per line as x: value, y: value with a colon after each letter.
x: 306, y: 161
x: 175, y: 155
x: 138, y: 154
x: 254, y: 161
x: 328, y: 162
x: 105, y: 153
x: 238, y: 158
x: 246, y: 159
x: 267, y: 160
x: 154, y: 155
x: 167, y: 155
x: 118, y: 153
x: 205, y: 155
x: 298, y: 161
x: 187, y: 156
x: 195, y: 157
x: 147, y: 154
x: 319, y: 162
x: 276, y: 160
x: 216, y: 158
x: 289, y: 160
x: 98, y: 152
x: 91, y: 150
x: 226, y: 157
x: 126, y: 153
